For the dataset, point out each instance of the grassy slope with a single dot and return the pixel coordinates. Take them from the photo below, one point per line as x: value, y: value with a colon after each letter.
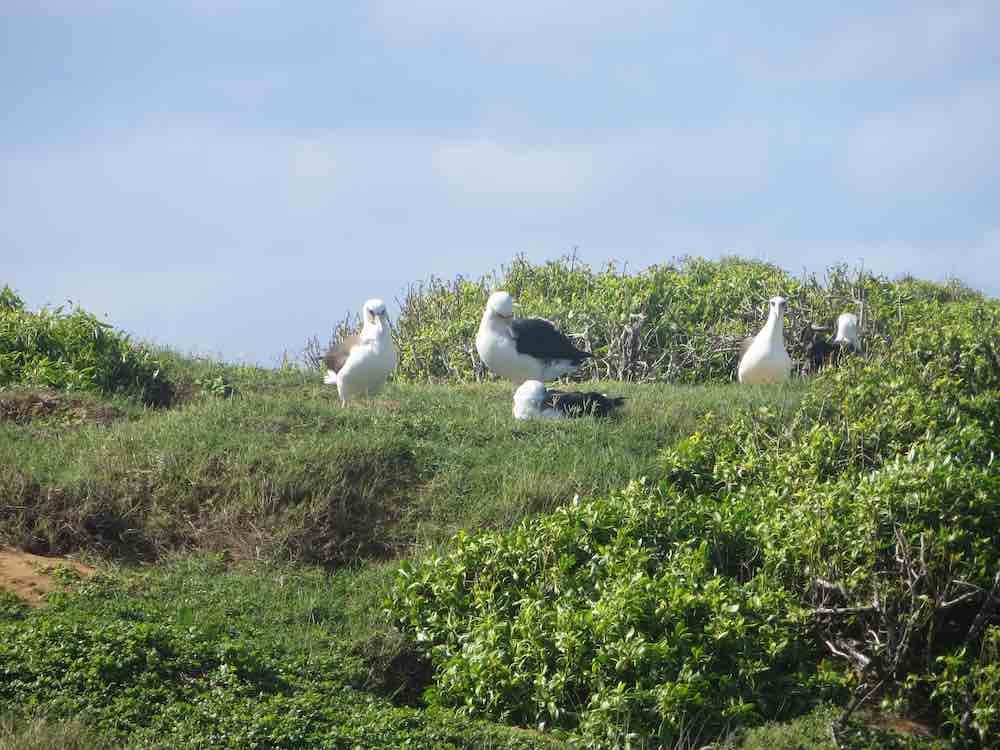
x: 282, y: 472
x: 273, y: 474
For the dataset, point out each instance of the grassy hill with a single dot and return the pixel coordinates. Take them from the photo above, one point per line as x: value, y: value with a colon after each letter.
x: 719, y: 563
x: 229, y: 502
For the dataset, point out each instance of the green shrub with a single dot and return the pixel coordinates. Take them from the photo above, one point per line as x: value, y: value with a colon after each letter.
x: 858, y: 534
x: 616, y: 617
x: 678, y: 322
x: 74, y: 350
x: 116, y: 661
x: 11, y: 605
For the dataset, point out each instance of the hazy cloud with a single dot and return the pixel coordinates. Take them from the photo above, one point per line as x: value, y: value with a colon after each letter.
x: 941, y: 149
x: 488, y: 167
x: 313, y: 160
x: 911, y: 42
x: 971, y: 263
x: 569, y: 18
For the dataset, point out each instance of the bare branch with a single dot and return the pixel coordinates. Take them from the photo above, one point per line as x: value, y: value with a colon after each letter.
x: 972, y: 595
x: 842, y: 611
x: 845, y: 650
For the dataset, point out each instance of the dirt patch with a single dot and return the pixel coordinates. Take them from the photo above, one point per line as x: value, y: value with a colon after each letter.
x: 24, y: 406
x: 897, y: 724
x: 31, y: 577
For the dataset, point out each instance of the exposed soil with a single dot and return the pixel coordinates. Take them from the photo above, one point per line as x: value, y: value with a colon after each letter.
x: 24, y: 406
x: 30, y: 576
x: 907, y: 727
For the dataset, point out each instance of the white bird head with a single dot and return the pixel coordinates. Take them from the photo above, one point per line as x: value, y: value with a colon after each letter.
x: 847, y: 329
x: 528, y: 399
x: 501, y: 304
x: 373, y: 308
x: 779, y: 305
x: 374, y: 315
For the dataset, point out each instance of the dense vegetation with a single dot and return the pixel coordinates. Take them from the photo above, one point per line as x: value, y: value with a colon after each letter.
x: 864, y: 527
x: 677, y: 322
x: 50, y: 347
x: 421, y: 571
x: 187, y: 657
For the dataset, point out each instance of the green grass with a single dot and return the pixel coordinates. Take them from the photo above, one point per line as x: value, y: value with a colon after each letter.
x: 280, y: 471
x: 276, y: 518
x: 39, y: 734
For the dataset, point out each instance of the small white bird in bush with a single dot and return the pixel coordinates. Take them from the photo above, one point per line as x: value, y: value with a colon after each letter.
x: 359, y: 365
x: 523, y: 348
x: 533, y: 399
x: 821, y: 352
x: 764, y: 358
x: 847, y: 331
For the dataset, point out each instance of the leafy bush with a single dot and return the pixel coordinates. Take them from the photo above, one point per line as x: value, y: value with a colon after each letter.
x: 617, y: 617
x: 881, y: 509
x: 74, y: 349
x: 861, y: 533
x: 678, y: 322
x: 128, y: 668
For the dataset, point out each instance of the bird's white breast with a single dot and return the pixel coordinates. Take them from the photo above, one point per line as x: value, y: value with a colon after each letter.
x: 765, y: 361
x: 367, y: 368
x: 500, y: 354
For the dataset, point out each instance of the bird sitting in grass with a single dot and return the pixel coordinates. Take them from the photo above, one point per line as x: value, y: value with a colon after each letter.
x: 533, y: 399
x: 359, y: 365
x: 524, y: 348
x: 764, y: 359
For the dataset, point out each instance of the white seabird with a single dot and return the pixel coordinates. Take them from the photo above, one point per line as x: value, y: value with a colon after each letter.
x: 847, y: 331
x: 822, y: 352
x: 764, y: 358
x: 359, y: 365
x: 533, y: 399
x: 523, y: 348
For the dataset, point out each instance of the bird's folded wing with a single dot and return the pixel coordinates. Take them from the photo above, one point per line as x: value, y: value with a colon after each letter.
x: 539, y: 338
x: 337, y: 355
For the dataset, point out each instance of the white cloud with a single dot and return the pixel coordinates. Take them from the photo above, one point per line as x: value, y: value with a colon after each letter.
x: 937, y: 151
x: 313, y: 160
x: 907, y: 43
x: 555, y: 21
x: 484, y: 166
x: 972, y: 263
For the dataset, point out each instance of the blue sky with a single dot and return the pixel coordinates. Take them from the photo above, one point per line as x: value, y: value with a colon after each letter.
x: 232, y: 177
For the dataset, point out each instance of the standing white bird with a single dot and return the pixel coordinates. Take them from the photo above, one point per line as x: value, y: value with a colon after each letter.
x: 847, y: 331
x: 525, y: 348
x: 533, y: 399
x: 764, y: 358
x: 359, y: 365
